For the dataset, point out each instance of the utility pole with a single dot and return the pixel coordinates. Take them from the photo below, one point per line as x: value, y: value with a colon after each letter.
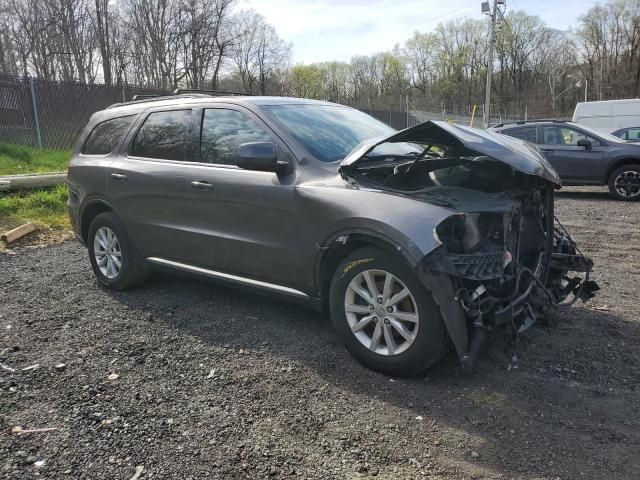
x: 586, y: 87
x: 493, y: 13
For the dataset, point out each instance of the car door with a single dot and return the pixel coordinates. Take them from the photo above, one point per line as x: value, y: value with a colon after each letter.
x: 233, y: 220
x: 147, y: 184
x: 574, y: 163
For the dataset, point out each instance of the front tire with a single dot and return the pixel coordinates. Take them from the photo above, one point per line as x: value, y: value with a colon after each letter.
x: 384, y: 315
x: 624, y: 183
x: 114, y: 259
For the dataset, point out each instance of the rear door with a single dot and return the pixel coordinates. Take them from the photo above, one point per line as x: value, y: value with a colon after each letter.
x: 147, y: 182
x: 572, y: 162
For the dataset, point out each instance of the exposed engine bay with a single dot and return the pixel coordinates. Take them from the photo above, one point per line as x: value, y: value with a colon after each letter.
x: 503, y: 249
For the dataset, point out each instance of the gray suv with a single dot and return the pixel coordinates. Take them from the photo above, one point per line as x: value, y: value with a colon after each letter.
x: 582, y: 155
x: 414, y: 240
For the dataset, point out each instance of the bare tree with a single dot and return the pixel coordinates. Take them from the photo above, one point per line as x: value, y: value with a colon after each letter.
x: 103, y: 31
x: 257, y: 50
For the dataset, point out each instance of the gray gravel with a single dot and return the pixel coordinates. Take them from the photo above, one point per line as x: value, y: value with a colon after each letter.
x: 187, y: 379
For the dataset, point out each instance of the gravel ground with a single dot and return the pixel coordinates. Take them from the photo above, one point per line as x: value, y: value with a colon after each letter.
x: 185, y: 379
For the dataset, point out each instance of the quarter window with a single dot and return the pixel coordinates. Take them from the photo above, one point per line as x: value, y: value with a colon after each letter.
x: 106, y: 136
x: 163, y: 135
x: 223, y: 131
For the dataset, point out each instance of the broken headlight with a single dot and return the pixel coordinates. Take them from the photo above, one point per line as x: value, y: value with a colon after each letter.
x: 471, y: 232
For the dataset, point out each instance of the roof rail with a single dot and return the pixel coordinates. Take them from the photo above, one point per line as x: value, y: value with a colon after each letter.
x: 140, y: 97
x: 524, y: 122
x: 182, y: 91
x: 190, y: 92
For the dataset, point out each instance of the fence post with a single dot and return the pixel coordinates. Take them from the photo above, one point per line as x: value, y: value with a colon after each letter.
x: 124, y: 99
x: 34, y: 105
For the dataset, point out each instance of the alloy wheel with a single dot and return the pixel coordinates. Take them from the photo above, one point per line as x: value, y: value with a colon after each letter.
x: 627, y: 183
x: 382, y: 312
x: 107, y: 252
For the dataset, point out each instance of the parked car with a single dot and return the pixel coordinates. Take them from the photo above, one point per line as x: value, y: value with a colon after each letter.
x: 413, y: 240
x: 631, y: 134
x: 608, y: 115
x: 582, y: 155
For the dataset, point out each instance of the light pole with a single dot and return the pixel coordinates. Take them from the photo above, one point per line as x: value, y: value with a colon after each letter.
x: 493, y: 13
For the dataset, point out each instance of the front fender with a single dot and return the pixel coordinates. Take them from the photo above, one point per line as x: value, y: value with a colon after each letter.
x: 406, y: 223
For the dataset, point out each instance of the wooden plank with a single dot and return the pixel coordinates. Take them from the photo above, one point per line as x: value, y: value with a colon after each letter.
x: 28, y: 181
x: 18, y: 232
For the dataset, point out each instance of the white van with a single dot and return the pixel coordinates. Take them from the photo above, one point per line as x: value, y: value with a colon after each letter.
x: 609, y: 115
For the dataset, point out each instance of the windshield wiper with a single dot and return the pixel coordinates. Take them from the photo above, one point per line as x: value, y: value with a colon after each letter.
x: 418, y: 159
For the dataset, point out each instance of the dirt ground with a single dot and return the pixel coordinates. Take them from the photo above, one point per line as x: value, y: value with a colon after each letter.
x: 185, y: 379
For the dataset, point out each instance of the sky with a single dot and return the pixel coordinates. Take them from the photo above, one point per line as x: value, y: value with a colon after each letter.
x: 324, y: 30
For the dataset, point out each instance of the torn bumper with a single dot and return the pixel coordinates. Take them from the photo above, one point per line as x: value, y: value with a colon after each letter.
x: 492, y: 289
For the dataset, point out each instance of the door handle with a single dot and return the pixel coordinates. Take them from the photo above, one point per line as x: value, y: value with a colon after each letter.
x: 546, y: 150
x: 118, y: 176
x: 202, y: 185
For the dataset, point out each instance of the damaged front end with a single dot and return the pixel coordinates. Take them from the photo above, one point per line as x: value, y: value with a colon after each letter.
x: 510, y: 268
x: 506, y: 258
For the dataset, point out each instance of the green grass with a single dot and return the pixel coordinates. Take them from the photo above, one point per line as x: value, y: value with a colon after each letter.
x: 45, y: 207
x: 16, y: 159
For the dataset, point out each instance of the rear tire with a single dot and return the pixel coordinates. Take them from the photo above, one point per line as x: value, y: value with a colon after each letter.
x: 399, y: 339
x: 114, y: 259
x: 619, y: 183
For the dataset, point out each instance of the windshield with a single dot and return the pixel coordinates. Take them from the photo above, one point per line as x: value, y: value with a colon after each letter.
x: 328, y: 132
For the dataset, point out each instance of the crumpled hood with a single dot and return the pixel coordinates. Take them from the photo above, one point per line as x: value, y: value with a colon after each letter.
x: 518, y: 154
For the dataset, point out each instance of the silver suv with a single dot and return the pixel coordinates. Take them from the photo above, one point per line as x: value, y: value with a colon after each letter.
x: 413, y: 240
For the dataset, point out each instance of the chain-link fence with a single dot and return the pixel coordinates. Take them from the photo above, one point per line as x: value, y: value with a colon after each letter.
x: 397, y: 120
x: 51, y: 114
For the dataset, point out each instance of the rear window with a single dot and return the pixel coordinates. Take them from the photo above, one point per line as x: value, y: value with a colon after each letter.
x: 523, y: 133
x: 163, y: 135
x: 106, y: 136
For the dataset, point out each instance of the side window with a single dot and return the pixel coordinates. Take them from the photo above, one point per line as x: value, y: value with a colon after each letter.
x: 523, y: 133
x: 552, y: 135
x: 555, y: 135
x: 106, y: 135
x: 632, y: 134
x: 223, y: 131
x: 163, y: 135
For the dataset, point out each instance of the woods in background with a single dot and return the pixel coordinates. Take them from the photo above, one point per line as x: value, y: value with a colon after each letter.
x: 210, y: 44
x: 155, y: 43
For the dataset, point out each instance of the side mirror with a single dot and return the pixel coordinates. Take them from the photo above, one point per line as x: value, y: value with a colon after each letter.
x: 584, y: 142
x: 259, y: 156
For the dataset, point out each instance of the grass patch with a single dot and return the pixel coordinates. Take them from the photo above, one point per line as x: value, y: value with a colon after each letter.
x: 45, y: 207
x: 16, y: 159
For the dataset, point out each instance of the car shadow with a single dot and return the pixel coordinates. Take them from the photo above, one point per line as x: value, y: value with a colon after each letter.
x: 538, y: 400
x: 591, y: 194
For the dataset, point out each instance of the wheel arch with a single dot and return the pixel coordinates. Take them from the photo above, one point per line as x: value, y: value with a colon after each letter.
x: 620, y: 163
x: 90, y: 211
x: 340, y: 245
